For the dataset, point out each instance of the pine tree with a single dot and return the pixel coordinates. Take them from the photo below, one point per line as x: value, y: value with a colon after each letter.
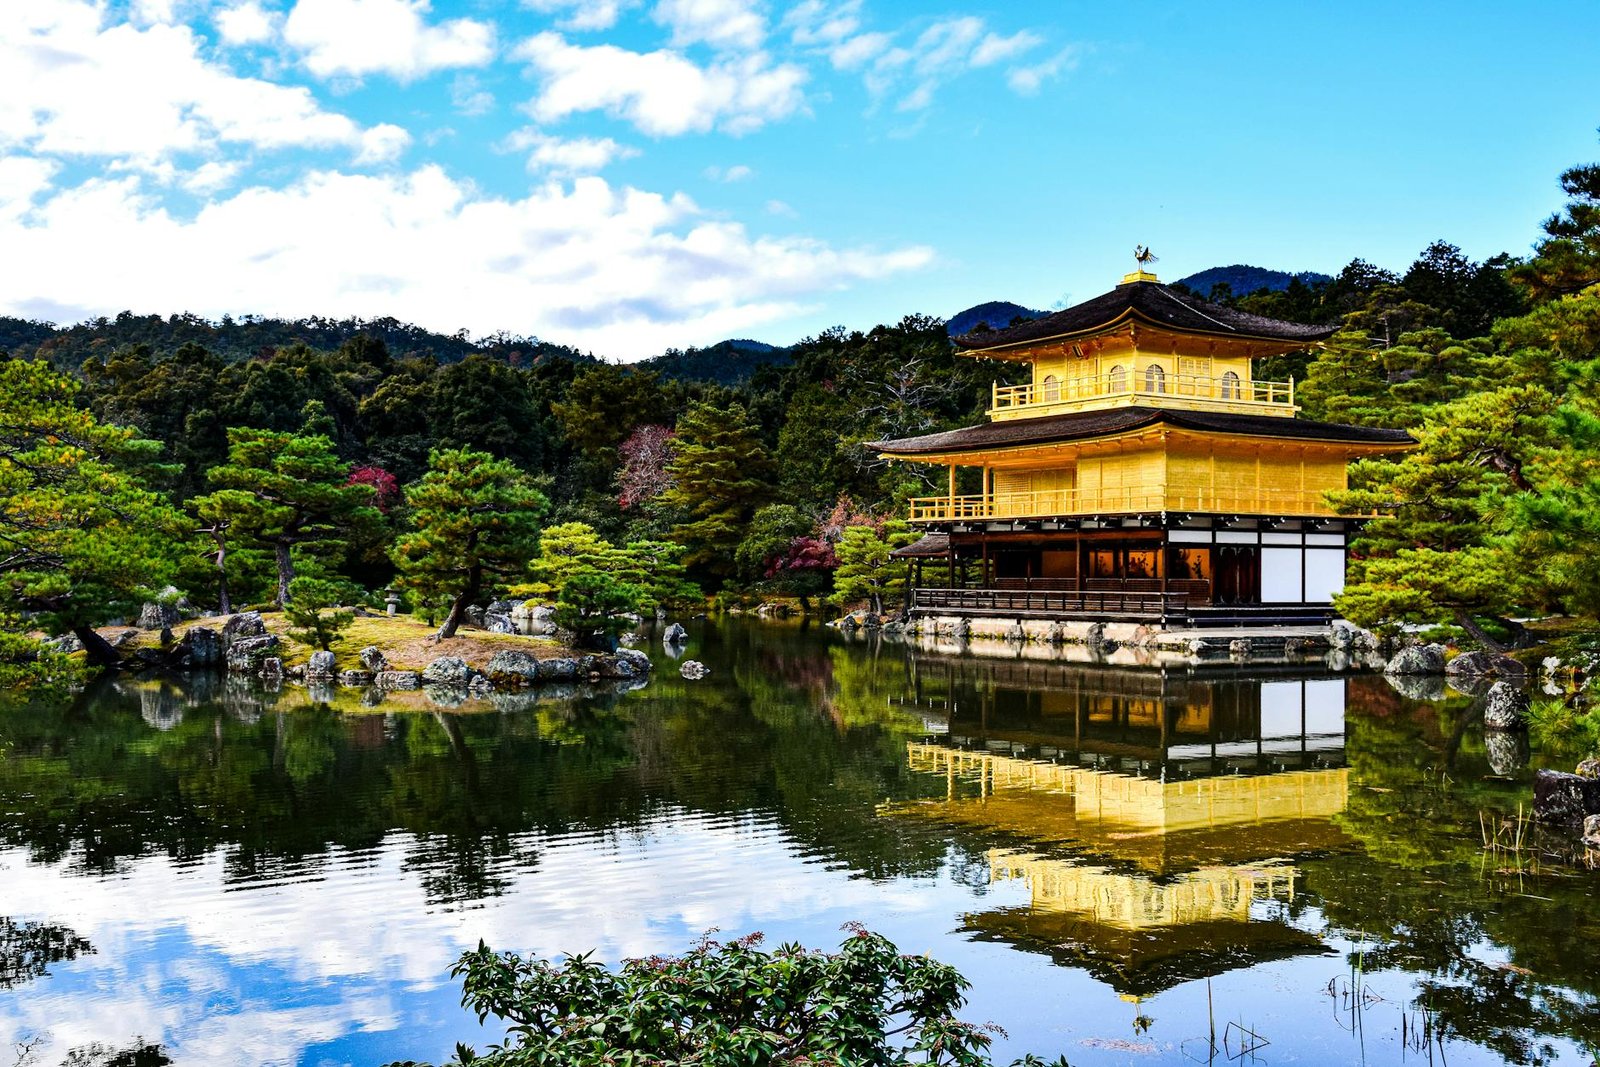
x: 477, y: 519
x: 81, y: 539
x: 287, y: 491
x: 721, y: 474
x: 866, y: 570
x: 1568, y: 259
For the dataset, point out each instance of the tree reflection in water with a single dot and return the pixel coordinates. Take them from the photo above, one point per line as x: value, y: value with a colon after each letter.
x: 836, y: 745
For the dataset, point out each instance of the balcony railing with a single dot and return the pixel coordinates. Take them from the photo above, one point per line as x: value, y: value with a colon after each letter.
x: 1050, y: 503
x: 1224, y: 393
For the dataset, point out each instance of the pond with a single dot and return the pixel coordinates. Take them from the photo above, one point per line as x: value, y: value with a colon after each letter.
x: 1130, y: 865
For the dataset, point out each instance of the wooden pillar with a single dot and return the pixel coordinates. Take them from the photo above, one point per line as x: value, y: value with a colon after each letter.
x: 1161, y: 569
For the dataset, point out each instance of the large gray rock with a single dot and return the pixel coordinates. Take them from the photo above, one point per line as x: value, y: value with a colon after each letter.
x: 1417, y: 659
x: 497, y: 623
x: 272, y: 669
x: 246, y: 654
x: 694, y: 670
x: 559, y: 670
x: 157, y: 617
x: 373, y: 659
x: 674, y: 634
x: 625, y: 663
x: 355, y: 679
x: 243, y: 625
x: 322, y: 665
x: 447, y: 670
x: 1565, y: 798
x: 1485, y: 664
x: 1588, y: 768
x: 1591, y: 831
x: 513, y: 667
x: 1506, y: 708
x: 397, y: 680
x: 201, y: 647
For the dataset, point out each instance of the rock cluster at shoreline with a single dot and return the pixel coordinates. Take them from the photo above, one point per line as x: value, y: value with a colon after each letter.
x: 243, y: 647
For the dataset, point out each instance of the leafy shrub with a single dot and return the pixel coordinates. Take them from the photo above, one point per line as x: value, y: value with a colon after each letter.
x: 726, y: 1003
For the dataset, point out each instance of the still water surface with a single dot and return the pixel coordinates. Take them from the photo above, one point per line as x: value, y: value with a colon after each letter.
x: 1132, y: 866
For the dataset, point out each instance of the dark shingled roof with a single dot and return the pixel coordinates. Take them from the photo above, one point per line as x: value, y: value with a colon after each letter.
x: 1080, y: 425
x: 1155, y: 304
x: 931, y: 544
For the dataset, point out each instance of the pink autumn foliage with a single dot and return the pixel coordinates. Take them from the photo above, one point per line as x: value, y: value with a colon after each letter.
x: 385, y: 486
x: 846, y: 513
x: 645, y: 456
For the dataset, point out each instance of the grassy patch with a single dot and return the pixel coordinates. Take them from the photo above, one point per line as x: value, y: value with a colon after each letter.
x: 406, y: 641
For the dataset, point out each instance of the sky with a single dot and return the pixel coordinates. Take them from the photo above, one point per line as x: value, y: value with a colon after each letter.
x: 628, y: 176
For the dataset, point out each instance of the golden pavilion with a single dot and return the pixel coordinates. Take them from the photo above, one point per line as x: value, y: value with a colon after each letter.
x: 1143, y: 472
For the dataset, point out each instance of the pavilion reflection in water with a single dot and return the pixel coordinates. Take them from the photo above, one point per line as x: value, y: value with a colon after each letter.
x: 1155, y: 818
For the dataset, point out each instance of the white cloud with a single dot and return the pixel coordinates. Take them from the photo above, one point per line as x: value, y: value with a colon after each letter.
x: 781, y: 209
x: 724, y: 24
x: 469, y: 97
x: 211, y: 177
x: 22, y: 179
x: 736, y: 173
x: 912, y: 71
x: 815, y: 22
x: 382, y: 144
x: 247, y: 23
x: 619, y: 271
x: 566, y: 156
x: 360, y: 37
x: 72, y: 86
x: 995, y: 48
x: 582, y: 15
x: 1027, y: 81
x: 661, y: 93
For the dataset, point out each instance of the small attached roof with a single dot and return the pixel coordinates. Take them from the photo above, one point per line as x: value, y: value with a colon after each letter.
x: 931, y: 546
x: 1155, y: 305
x: 1084, y: 425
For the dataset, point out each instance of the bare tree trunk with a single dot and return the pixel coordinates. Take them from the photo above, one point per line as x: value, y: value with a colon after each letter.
x: 99, y: 650
x: 222, y: 581
x: 285, y: 571
x: 458, y: 607
x: 1469, y: 624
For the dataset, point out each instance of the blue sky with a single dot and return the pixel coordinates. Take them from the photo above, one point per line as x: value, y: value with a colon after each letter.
x: 632, y: 175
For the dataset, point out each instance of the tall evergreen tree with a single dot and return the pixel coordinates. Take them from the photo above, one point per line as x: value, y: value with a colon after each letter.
x: 477, y: 519
x: 287, y: 491
x: 721, y: 474
x: 1567, y: 260
x: 81, y: 538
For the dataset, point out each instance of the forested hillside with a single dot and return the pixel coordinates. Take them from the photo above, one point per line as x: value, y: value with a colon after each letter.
x: 753, y: 459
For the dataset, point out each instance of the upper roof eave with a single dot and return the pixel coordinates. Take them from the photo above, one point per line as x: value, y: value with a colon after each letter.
x: 1156, y: 306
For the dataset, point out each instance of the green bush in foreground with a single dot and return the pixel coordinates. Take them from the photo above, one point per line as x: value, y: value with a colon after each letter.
x: 866, y: 1005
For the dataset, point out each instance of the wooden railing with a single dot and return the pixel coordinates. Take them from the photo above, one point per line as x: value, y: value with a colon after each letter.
x: 1121, y: 603
x: 1048, y: 503
x: 1227, y: 392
